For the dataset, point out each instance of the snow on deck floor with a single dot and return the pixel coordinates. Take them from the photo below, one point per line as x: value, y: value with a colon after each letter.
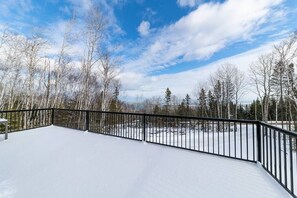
x: 57, y: 162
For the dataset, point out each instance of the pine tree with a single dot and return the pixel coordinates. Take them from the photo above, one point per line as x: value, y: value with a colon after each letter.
x: 218, y: 97
x: 167, y: 100
x: 280, y: 85
x: 255, y: 110
x: 115, y: 103
x: 181, y: 109
x: 211, y: 104
x: 156, y: 109
x: 202, y: 107
x: 187, y: 104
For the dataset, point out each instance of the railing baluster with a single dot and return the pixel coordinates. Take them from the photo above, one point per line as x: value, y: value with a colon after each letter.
x: 235, y: 130
x: 240, y: 125
x: 275, y: 160
x: 213, y: 139
x: 229, y: 138
x: 203, y: 131
x: 266, y: 133
x: 247, y: 140
x: 253, y: 125
x: 218, y: 137
x: 291, y: 165
x: 279, y: 156
x: 285, y: 159
x: 270, y: 150
x: 208, y: 128
x: 198, y: 133
x: 223, y: 138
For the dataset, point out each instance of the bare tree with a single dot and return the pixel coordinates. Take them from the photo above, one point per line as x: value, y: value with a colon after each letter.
x: 284, y: 74
x: 229, y: 81
x: 93, y: 34
x: 239, y: 88
x: 108, y: 75
x: 62, y: 65
x: 261, y: 77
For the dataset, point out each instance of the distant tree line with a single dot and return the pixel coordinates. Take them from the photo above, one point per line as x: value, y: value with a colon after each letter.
x: 272, y: 77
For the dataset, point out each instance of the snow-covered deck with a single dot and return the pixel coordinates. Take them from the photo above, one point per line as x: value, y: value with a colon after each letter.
x: 57, y: 162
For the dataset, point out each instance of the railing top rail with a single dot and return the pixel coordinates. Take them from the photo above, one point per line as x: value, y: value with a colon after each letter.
x: 290, y: 133
x: 22, y: 110
x: 169, y: 116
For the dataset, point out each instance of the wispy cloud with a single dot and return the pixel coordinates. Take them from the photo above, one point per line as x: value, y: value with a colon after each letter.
x: 182, y: 83
x: 15, y: 14
x: 188, y: 3
x: 206, y: 30
x: 107, y: 8
x: 144, y: 28
x: 17, y: 6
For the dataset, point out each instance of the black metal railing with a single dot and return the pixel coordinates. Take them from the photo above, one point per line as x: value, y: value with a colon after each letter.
x: 278, y: 155
x: 246, y: 140
x: 125, y: 125
x: 74, y: 119
x: 274, y: 148
x: 229, y: 138
x: 18, y: 120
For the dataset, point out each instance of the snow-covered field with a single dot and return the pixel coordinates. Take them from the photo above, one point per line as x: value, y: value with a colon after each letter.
x: 58, y: 162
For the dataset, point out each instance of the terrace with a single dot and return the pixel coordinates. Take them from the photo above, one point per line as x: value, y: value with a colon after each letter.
x: 140, y: 155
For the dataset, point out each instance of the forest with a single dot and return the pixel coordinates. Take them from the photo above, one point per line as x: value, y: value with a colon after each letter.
x: 30, y: 78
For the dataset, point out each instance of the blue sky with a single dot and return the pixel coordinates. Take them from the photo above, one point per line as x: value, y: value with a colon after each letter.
x: 166, y: 43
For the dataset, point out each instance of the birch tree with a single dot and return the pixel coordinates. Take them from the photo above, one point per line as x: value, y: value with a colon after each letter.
x: 62, y: 64
x: 95, y: 24
x: 108, y: 75
x: 239, y: 88
x: 284, y: 73
x: 261, y: 78
x: 31, y: 50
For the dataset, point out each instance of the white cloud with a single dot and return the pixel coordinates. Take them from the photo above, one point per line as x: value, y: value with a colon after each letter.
x: 55, y: 34
x: 144, y: 28
x: 203, y: 32
x: 19, y: 6
x: 56, y: 30
x: 188, y: 3
x: 15, y: 14
x: 82, y: 5
x: 135, y: 84
x: 106, y: 7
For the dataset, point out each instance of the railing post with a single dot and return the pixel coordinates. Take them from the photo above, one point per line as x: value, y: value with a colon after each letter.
x: 259, y: 141
x: 53, y: 116
x: 143, y: 129
x: 87, y: 120
x: 6, y: 130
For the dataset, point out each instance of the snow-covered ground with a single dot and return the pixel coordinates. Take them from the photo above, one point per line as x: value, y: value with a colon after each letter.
x: 58, y: 162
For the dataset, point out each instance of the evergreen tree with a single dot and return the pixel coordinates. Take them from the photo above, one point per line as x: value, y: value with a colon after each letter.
x: 242, y: 112
x: 167, y: 100
x: 187, y: 101
x: 255, y: 110
x: 218, y: 98
x: 115, y: 103
x: 157, y: 109
x: 272, y: 109
x: 279, y: 86
x: 202, y: 107
x: 211, y: 104
x: 181, y: 109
